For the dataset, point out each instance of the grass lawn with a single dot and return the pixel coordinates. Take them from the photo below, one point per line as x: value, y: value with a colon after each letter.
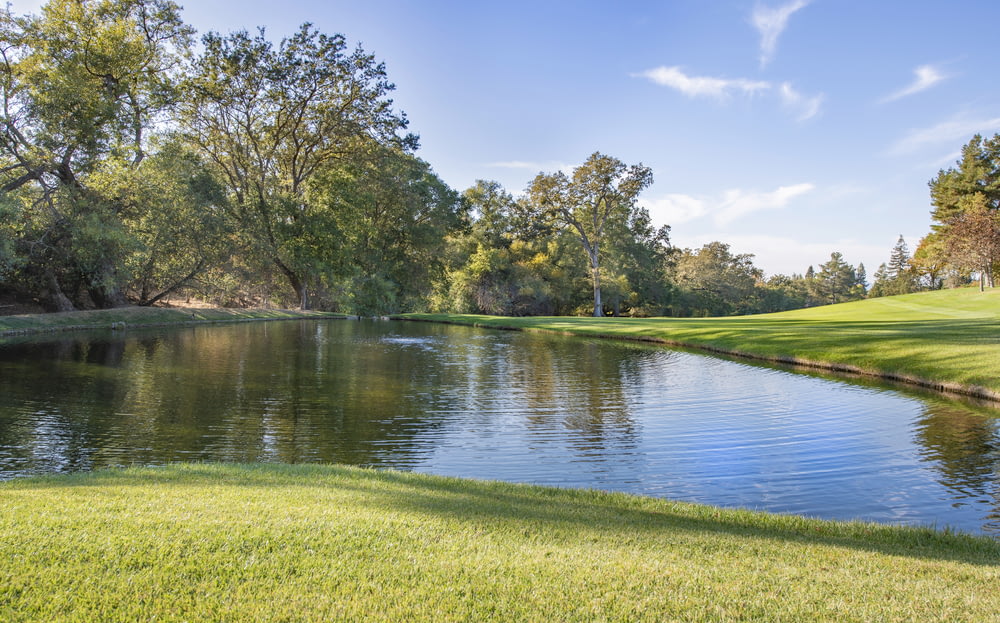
x: 141, y: 317
x: 948, y: 339
x: 321, y: 543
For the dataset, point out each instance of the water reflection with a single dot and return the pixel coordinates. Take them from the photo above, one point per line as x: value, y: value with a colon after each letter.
x: 963, y: 447
x: 512, y: 406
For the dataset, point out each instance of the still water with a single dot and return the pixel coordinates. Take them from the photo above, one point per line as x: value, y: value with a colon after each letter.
x: 500, y: 405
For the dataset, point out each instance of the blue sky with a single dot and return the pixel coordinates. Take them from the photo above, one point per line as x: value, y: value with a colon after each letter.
x: 786, y: 128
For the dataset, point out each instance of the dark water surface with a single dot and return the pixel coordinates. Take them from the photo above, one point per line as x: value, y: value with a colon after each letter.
x: 500, y: 405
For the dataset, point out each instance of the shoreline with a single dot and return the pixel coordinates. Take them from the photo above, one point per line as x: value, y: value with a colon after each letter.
x: 121, y: 319
x: 124, y: 318
x: 944, y: 387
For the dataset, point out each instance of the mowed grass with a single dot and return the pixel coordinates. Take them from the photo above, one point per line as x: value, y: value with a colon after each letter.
x: 324, y: 543
x: 142, y: 317
x: 947, y: 338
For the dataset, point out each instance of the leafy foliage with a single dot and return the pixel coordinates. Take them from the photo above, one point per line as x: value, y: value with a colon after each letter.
x: 966, y: 202
x: 600, y: 195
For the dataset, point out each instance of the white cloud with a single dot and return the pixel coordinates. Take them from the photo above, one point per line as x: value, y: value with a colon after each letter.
x: 770, y: 23
x: 926, y: 77
x: 732, y: 205
x: 674, y: 209
x: 954, y: 132
x: 803, y: 107
x: 739, y: 203
x: 695, y: 86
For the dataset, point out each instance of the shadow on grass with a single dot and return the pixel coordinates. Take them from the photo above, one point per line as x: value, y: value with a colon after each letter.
x: 539, y: 511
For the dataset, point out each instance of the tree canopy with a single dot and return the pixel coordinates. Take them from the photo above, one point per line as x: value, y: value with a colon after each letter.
x: 600, y: 195
x: 136, y: 168
x: 966, y: 200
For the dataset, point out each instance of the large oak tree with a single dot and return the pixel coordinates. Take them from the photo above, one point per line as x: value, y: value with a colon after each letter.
x: 270, y: 118
x: 600, y: 194
x: 81, y: 85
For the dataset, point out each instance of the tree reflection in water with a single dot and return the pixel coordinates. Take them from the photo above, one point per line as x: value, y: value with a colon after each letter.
x: 512, y: 406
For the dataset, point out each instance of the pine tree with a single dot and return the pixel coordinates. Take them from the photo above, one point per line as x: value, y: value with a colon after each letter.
x: 837, y: 279
x: 880, y: 286
x: 861, y: 280
x: 899, y: 260
x: 900, y: 276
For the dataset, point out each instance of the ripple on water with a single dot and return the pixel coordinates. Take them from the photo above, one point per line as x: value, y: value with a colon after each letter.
x: 501, y: 405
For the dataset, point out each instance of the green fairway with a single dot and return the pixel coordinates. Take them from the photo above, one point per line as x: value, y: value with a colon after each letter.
x: 317, y: 543
x: 947, y: 339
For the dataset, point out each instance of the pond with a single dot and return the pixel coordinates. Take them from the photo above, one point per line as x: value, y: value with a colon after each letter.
x: 458, y: 401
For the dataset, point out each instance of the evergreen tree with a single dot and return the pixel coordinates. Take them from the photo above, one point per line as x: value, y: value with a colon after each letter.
x: 880, y: 287
x: 966, y: 202
x: 899, y: 259
x: 837, y: 280
x: 900, y: 277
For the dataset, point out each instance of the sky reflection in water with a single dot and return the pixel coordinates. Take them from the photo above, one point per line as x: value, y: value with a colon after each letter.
x: 500, y: 405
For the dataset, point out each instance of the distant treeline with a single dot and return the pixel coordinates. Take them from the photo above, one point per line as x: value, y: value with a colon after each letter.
x: 135, y: 169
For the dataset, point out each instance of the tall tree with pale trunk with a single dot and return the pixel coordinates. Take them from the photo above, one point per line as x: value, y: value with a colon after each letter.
x: 600, y: 193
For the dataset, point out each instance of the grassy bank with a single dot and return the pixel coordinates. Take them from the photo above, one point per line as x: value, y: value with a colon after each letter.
x: 948, y: 339
x: 125, y: 317
x: 317, y: 543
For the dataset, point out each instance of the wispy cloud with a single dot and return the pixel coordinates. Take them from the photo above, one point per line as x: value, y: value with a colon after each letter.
x: 701, y: 86
x: 732, y: 205
x: 802, y: 106
x: 770, y: 22
x: 925, y: 77
x: 954, y: 131
x: 675, y: 209
x: 738, y: 203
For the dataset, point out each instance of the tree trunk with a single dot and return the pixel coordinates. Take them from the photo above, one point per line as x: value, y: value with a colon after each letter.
x: 104, y: 289
x: 298, y: 285
x: 148, y: 300
x: 57, y: 299
x: 598, y: 309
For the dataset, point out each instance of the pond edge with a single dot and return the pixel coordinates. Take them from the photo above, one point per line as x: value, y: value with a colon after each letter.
x: 945, y: 387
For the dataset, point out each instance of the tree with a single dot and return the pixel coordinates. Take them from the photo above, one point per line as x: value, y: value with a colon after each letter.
x: 177, y: 221
x: 82, y: 85
x: 966, y: 198
x: 270, y: 119
x: 601, y: 192
x: 715, y: 282
x: 899, y: 273
x: 861, y: 280
x: 392, y: 216
x: 639, y: 257
x: 837, y: 280
x: 508, y: 262
x: 930, y: 261
x: 782, y: 292
x: 973, y: 242
x: 880, y: 285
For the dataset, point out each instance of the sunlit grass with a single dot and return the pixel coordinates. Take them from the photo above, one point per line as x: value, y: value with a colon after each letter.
x: 949, y: 338
x: 317, y: 543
